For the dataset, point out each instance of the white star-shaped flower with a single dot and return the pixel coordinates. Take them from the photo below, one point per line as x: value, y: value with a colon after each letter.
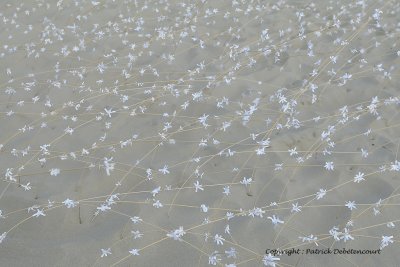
x: 134, y: 252
x: 105, y: 252
x: 198, y: 186
x: 359, y: 177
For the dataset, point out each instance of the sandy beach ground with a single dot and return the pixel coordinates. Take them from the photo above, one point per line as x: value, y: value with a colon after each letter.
x: 199, y: 133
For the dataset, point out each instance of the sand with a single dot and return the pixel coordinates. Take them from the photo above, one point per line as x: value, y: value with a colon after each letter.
x: 143, y: 126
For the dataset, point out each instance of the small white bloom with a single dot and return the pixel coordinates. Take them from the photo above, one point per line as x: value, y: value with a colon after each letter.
x: 386, y: 240
x: 27, y: 186
x: 275, y: 220
x: 229, y: 215
x: 2, y: 237
x: 219, y: 240
x: 134, y: 252
x: 359, y: 177
x: 278, y: 167
x: 39, y: 213
x: 309, y: 239
x: 321, y: 193
x: 364, y: 153
x: 351, y: 205
x: 270, y: 260
x: 213, y: 259
x: 108, y: 165
x: 395, y: 166
x: 335, y: 233
x: 296, y: 207
x: 390, y: 225
x: 164, y: 170
x: 346, y: 235
x: 70, y: 203
x: 293, y: 151
x: 158, y: 204
x: 136, y: 219
x: 54, y: 172
x: 103, y: 207
x: 227, y: 229
x: 105, y: 252
x: 246, y: 181
x: 177, y: 234
x: 198, y: 186
x: 156, y: 191
x: 256, y: 212
x: 204, y: 208
x: 231, y: 253
x: 329, y: 166
x: 136, y: 234
x: 226, y: 190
